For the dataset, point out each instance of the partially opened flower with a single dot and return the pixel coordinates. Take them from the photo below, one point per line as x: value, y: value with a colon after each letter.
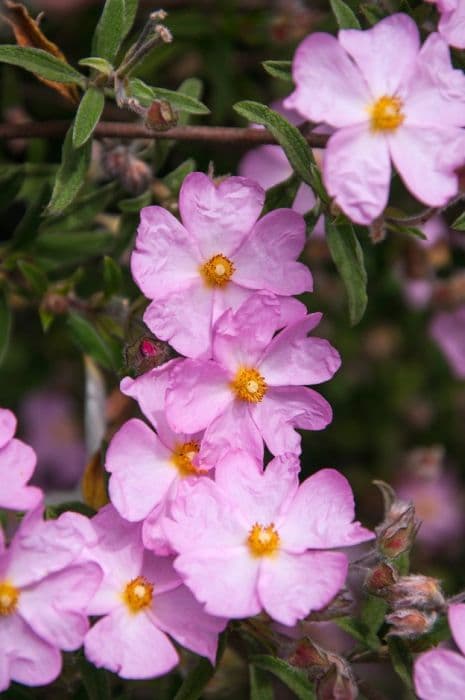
x: 389, y: 100
x: 45, y: 587
x: 440, y: 674
x: 254, y: 540
x: 193, y: 271
x: 452, y: 21
x: 142, y: 600
x: 253, y: 388
x: 448, y: 330
x: 17, y: 464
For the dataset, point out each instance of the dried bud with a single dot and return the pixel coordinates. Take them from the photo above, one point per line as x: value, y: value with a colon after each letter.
x: 410, y: 623
x: 308, y: 655
x: 416, y: 591
x: 398, y: 531
x: 161, y: 116
x: 377, y: 230
x: 338, y: 683
x: 382, y: 577
x: 132, y: 172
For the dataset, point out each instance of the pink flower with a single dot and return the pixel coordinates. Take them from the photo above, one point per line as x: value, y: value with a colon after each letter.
x: 252, y: 388
x: 215, y: 258
x: 255, y: 540
x: 448, y: 330
x: 440, y: 674
x: 142, y: 600
x: 147, y: 467
x: 17, y: 464
x: 44, y: 591
x: 389, y: 100
x: 452, y: 22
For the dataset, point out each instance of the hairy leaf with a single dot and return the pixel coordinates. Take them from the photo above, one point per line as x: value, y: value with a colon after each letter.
x: 87, y: 117
x: 146, y: 94
x: 40, y: 63
x: 114, y: 24
x: 345, y: 17
x: 261, y: 687
x: 294, y: 678
x: 279, y: 69
x: 71, y: 173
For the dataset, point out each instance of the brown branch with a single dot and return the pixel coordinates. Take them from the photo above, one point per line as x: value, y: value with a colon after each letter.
x: 214, y: 134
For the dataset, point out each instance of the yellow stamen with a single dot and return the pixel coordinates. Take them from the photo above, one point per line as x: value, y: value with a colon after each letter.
x: 386, y: 113
x: 217, y: 271
x: 9, y: 596
x: 183, y: 456
x: 263, y: 541
x: 138, y: 594
x: 249, y: 385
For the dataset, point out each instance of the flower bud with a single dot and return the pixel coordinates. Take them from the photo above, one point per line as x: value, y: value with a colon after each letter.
x: 398, y: 535
x: 338, y: 683
x: 132, y: 172
x: 416, y: 591
x: 410, y: 623
x: 382, y: 577
x: 308, y: 655
x: 161, y: 116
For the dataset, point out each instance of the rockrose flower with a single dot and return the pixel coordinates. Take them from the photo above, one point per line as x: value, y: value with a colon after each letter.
x: 17, y: 464
x: 215, y: 258
x: 389, y: 100
x: 440, y: 674
x: 448, y: 330
x: 255, y: 540
x: 452, y: 22
x: 142, y: 600
x: 252, y: 389
x: 44, y: 591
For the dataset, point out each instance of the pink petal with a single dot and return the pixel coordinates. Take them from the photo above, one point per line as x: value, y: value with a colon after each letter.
x: 294, y: 359
x: 7, y: 426
x: 448, y: 330
x: 161, y: 572
x: 25, y: 657
x: 233, y: 428
x: 267, y: 165
x: 304, y: 199
x: 452, y: 26
x: 184, y: 319
x: 357, y: 172
x: 130, y: 645
x: 267, y: 258
x: 141, y: 470
x: 440, y: 675
x: 153, y: 530
x: 385, y: 53
x: 181, y: 616
x: 291, y: 309
x: 321, y: 515
x: 330, y: 88
x: 198, y: 392
x: 456, y: 614
x: 17, y: 464
x: 166, y: 258
x: 219, y: 216
x: 426, y: 159
x: 291, y: 586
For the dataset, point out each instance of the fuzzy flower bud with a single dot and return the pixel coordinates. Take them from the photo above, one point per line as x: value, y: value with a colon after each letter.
x: 338, y: 683
x: 398, y: 536
x: 133, y: 174
x: 418, y: 591
x: 309, y: 656
x: 382, y: 577
x: 161, y: 116
x: 410, y: 623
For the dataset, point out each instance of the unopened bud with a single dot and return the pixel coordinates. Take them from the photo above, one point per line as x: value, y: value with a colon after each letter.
x: 308, y: 655
x: 399, y: 536
x: 377, y: 230
x: 145, y: 352
x: 132, y: 172
x: 56, y: 304
x: 338, y: 683
x: 341, y: 605
x: 161, y: 116
x: 410, y: 623
x: 382, y: 577
x: 416, y: 591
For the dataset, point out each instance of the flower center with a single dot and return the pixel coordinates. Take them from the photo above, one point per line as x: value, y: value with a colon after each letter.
x: 249, y: 385
x: 138, y: 594
x: 263, y: 541
x: 8, y: 598
x: 217, y: 271
x: 386, y: 113
x: 183, y: 456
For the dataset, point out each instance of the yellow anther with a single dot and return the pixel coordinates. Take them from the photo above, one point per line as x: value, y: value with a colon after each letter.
x: 249, y: 385
x: 263, y: 541
x: 386, y: 113
x: 217, y: 271
x: 138, y: 594
x: 9, y: 596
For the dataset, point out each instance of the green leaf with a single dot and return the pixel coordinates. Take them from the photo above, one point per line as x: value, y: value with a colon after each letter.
x: 347, y: 255
x: 28, y: 228
x: 146, y: 94
x: 64, y: 249
x: 261, y: 687
x: 195, y: 682
x: 295, y: 146
x: 10, y: 185
x: 459, y: 223
x: 71, y: 174
x: 282, y: 194
x: 82, y: 211
x: 401, y: 659
x: 95, y: 680
x: 35, y: 276
x: 87, y: 116
x: 112, y: 276
x: 114, y: 24
x: 90, y: 341
x: 5, y: 325
x: 98, y: 64
x: 46, y: 318
x: 175, y: 178
x: 53, y: 512
x: 279, y: 69
x: 294, y: 678
x: 405, y: 230
x: 41, y: 63
x: 135, y: 204
x: 345, y: 17
x: 372, y: 616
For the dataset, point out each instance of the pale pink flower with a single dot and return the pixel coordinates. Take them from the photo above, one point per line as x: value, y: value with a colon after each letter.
x: 142, y: 600
x: 448, y: 330
x: 255, y: 540
x: 17, y: 464
x: 193, y: 271
x: 44, y: 590
x: 253, y: 389
x: 389, y: 100
x: 147, y: 467
x: 440, y: 674
x: 452, y: 22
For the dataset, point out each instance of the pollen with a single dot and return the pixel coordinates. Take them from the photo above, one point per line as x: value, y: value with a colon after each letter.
x: 138, y: 594
x: 217, y: 271
x: 386, y: 113
x: 263, y: 541
x: 9, y: 596
x: 249, y: 385
x: 183, y: 458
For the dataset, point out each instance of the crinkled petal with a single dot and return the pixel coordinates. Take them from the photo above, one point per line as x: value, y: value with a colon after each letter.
x: 456, y: 614
x: 452, y: 26
x: 267, y: 165
x: 219, y: 216
x: 291, y: 586
x: 141, y: 470
x: 161, y: 572
x: 440, y: 675
x: 233, y: 428
x: 448, y: 330
x: 267, y: 258
x: 321, y: 515
x: 357, y: 171
x: 130, y: 645
x: 17, y: 464
x: 329, y: 87
x: 7, y: 426
x: 291, y: 310
x: 166, y: 258
x: 385, y: 53
x: 153, y: 531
